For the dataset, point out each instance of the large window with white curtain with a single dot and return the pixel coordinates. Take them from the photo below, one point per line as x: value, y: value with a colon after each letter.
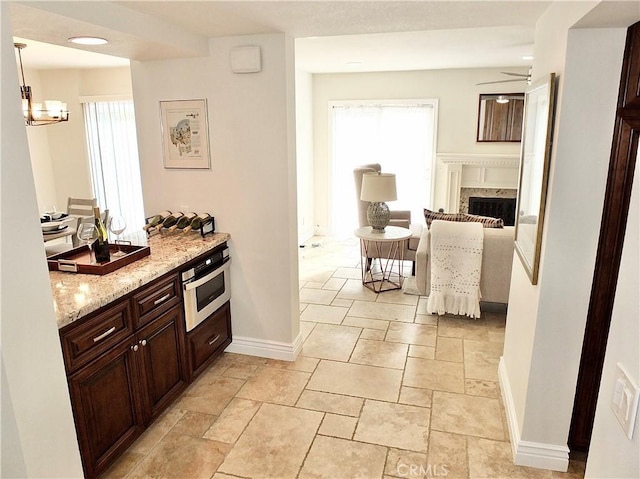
x: 400, y: 136
x: 113, y: 153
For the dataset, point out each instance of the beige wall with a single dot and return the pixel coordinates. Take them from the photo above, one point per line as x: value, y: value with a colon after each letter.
x: 304, y: 154
x: 545, y: 322
x: 251, y: 186
x: 456, y: 91
x: 38, y: 436
x: 612, y: 454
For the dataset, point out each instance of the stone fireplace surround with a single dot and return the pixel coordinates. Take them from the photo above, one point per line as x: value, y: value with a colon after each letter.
x: 484, y: 175
x: 466, y: 193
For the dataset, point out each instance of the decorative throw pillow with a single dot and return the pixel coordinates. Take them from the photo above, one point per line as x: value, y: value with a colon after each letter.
x: 429, y: 216
x: 487, y: 221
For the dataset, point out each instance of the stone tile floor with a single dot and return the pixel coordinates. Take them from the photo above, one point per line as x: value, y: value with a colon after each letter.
x: 381, y: 390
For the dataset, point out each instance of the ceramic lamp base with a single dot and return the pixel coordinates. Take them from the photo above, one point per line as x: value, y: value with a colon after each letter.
x: 378, y: 216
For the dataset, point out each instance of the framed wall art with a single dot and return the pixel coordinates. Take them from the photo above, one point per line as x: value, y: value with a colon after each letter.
x: 535, y: 155
x: 185, y: 134
x: 500, y: 117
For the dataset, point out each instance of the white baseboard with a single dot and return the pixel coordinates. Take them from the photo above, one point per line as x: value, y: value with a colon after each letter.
x: 526, y: 453
x: 265, y: 348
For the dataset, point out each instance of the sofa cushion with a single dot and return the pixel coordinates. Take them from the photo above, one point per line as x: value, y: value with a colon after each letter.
x: 487, y: 221
x: 429, y: 216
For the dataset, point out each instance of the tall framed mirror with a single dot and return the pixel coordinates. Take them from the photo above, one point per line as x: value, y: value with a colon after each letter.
x: 500, y: 117
x: 535, y: 156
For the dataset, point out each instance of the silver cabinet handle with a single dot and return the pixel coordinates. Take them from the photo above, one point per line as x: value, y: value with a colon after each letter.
x: 143, y: 342
x: 160, y: 300
x: 214, y: 340
x: 105, y: 334
x: 134, y: 347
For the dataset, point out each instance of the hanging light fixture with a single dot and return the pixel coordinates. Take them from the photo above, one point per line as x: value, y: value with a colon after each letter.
x: 54, y: 111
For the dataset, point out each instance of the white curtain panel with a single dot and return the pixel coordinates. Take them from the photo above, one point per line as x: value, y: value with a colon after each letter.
x: 115, y: 168
x: 400, y: 137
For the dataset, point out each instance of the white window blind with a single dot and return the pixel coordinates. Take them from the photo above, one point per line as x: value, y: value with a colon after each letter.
x: 400, y: 137
x: 113, y: 153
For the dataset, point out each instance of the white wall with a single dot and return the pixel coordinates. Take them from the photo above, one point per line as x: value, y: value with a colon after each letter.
x: 456, y: 91
x: 251, y: 186
x: 545, y: 323
x: 612, y: 454
x: 38, y: 435
x: 304, y: 153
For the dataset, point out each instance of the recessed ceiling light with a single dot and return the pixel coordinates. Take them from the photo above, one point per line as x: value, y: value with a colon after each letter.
x: 527, y: 57
x: 88, y: 40
x: 354, y: 64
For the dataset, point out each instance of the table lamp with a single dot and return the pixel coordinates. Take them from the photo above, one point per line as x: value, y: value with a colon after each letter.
x: 378, y: 188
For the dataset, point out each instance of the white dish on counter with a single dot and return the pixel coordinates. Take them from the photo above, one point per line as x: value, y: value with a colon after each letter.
x: 51, y: 226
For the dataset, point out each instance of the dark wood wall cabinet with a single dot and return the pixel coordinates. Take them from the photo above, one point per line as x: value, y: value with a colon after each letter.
x: 128, y: 361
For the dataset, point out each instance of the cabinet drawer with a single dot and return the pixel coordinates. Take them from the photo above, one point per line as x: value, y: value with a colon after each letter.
x: 83, y: 342
x: 209, y: 339
x: 155, y: 299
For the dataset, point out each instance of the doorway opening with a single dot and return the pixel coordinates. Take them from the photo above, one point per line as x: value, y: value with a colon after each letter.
x: 399, y: 135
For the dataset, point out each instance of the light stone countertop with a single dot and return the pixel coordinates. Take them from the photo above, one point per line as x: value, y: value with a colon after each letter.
x: 76, y: 295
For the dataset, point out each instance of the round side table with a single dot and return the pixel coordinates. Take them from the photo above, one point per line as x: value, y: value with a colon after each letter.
x: 388, y: 248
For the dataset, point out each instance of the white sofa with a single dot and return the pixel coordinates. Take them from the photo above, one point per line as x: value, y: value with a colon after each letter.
x: 495, y: 275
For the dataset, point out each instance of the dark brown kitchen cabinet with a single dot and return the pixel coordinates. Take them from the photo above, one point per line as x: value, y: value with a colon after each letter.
x: 117, y: 392
x: 208, y: 339
x: 106, y: 408
x: 161, y: 358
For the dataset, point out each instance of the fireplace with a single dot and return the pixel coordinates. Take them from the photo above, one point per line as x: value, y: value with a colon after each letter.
x: 475, y: 175
x: 504, y: 208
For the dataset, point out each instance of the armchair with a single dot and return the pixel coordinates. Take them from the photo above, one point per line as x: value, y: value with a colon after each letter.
x: 400, y: 218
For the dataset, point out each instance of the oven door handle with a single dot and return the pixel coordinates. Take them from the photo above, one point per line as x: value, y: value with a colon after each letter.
x: 194, y: 283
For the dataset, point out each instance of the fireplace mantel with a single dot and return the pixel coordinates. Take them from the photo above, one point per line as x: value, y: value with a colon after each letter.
x: 467, y: 170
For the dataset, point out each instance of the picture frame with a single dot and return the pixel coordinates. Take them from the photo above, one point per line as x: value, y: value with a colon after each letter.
x: 535, y: 156
x: 185, y: 134
x: 500, y: 117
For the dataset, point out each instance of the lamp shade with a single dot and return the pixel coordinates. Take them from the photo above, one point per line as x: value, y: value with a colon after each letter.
x: 378, y: 187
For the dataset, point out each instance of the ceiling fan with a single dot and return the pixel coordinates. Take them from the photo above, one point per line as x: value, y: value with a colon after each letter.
x: 520, y: 77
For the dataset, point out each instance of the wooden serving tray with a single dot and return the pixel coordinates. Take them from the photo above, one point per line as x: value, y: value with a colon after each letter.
x: 78, y: 260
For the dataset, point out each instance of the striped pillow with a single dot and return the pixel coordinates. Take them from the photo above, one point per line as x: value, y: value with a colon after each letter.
x: 487, y: 221
x: 429, y: 216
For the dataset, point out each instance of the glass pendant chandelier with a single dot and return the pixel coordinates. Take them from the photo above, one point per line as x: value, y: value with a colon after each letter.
x: 35, y: 114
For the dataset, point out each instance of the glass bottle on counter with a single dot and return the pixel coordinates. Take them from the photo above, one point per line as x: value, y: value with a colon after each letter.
x: 183, y: 221
x: 172, y: 219
x: 156, y: 220
x: 198, y: 222
x: 101, y: 245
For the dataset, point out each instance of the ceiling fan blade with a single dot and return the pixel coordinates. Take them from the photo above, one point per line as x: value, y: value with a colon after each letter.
x: 523, y: 75
x: 500, y: 81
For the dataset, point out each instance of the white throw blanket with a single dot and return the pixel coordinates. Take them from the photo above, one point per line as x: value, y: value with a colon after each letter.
x: 456, y: 259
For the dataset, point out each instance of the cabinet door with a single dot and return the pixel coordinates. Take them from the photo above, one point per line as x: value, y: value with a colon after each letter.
x: 106, y: 408
x: 162, y: 364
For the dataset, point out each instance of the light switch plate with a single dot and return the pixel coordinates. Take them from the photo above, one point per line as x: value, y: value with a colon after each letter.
x: 624, y: 403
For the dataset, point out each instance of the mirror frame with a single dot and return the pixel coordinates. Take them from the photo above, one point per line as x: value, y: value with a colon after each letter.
x: 482, y: 102
x: 535, y: 156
